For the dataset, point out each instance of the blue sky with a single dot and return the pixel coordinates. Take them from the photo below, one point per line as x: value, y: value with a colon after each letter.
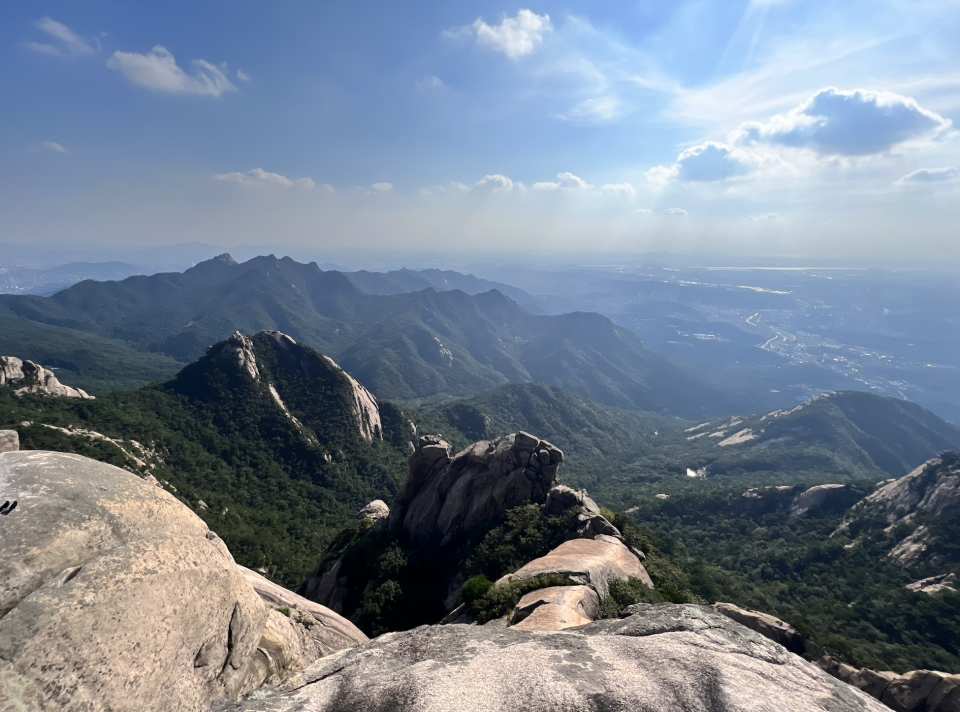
x: 804, y: 128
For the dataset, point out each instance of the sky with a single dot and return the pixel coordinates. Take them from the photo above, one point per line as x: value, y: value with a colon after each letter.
x: 794, y: 127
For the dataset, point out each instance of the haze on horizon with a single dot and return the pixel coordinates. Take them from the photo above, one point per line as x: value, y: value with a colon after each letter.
x: 760, y: 127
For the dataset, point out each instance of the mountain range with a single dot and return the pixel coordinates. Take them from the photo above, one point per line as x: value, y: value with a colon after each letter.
x: 403, y: 346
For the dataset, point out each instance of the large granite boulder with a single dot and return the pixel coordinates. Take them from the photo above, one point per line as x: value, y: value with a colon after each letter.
x: 660, y: 658
x: 9, y: 441
x: 445, y: 499
x: 816, y: 496
x: 769, y: 627
x: 593, y: 562
x: 558, y: 607
x: 115, y: 596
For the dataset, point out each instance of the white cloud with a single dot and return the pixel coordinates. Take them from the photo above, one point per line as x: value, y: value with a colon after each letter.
x: 457, y: 185
x: 599, y: 108
x: 382, y: 187
x: 158, y: 71
x: 768, y: 217
x: 565, y: 182
x: 679, y: 212
x: 931, y: 175
x: 642, y: 211
x: 495, y: 183
x: 834, y: 122
x: 70, y: 43
x: 243, y: 76
x: 625, y: 189
x: 54, y: 146
x: 514, y: 36
x: 259, y: 177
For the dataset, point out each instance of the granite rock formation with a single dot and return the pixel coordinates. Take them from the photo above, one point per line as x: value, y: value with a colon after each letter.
x: 658, y: 658
x: 36, y: 379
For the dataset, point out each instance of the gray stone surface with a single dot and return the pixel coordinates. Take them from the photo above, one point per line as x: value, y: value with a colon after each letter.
x: 376, y: 511
x: 9, y: 441
x: 594, y: 562
x: 661, y: 658
x: 769, y: 627
x: 814, y: 497
x: 558, y: 607
x: 445, y: 498
x: 114, y: 595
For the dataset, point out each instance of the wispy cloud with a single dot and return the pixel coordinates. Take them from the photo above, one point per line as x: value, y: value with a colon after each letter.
x: 565, y: 182
x: 158, y: 71
x: 430, y: 82
x: 931, y: 175
x: 242, y: 76
x: 675, y: 212
x: 68, y: 42
x: 767, y: 217
x: 642, y: 211
x: 382, y: 187
x: 261, y: 178
x: 622, y: 189
x: 54, y: 146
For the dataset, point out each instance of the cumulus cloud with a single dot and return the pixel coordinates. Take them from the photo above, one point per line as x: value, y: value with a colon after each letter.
x: 834, y: 122
x: 242, y: 76
x: 457, y: 185
x: 678, y: 212
x: 69, y: 43
x: 514, y: 36
x: 711, y: 162
x: 565, y: 182
x: 495, y: 183
x: 259, y: 178
x: 930, y: 175
x: 622, y: 189
x: 158, y: 71
x: 382, y: 187
x: 768, y: 217
x: 54, y: 146
x: 642, y: 211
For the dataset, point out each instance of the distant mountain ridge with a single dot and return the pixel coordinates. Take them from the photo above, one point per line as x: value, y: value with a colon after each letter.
x: 401, y: 346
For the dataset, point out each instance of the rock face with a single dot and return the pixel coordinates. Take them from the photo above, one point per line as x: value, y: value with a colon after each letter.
x: 594, y: 562
x: 915, y: 691
x: 660, y: 658
x: 9, y: 441
x: 297, y: 631
x: 814, y: 497
x: 38, y: 379
x: 445, y: 498
x: 591, y: 522
x: 769, y: 627
x: 930, y: 491
x: 376, y: 511
x: 115, y: 596
x: 365, y: 405
x: 935, y: 584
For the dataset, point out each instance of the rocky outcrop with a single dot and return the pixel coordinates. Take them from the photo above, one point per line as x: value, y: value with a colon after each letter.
x: 238, y: 353
x: 558, y: 608
x: 115, y: 596
x: 930, y: 492
x: 37, y: 379
x: 814, y: 497
x: 376, y: 511
x: 934, y: 584
x: 9, y: 441
x: 445, y: 498
x: 915, y: 691
x: 593, y: 562
x: 297, y: 631
x: 659, y: 658
x: 769, y: 627
x: 561, y: 499
x: 365, y: 407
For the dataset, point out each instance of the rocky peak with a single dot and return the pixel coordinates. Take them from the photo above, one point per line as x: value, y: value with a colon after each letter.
x: 445, y: 498
x: 932, y: 489
x: 238, y: 352
x: 37, y: 379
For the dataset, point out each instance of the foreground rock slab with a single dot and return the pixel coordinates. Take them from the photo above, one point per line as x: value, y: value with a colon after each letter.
x: 661, y: 658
